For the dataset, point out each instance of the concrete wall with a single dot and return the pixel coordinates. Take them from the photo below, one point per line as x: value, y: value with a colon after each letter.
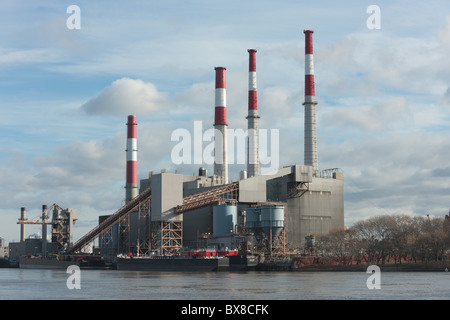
x: 167, y: 193
x: 267, y: 187
x: 318, y: 211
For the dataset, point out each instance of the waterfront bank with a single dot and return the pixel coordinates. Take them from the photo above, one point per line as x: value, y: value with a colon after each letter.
x: 387, y: 267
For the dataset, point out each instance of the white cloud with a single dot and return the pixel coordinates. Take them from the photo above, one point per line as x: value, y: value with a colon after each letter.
x: 380, y: 116
x: 128, y: 96
x: 12, y: 56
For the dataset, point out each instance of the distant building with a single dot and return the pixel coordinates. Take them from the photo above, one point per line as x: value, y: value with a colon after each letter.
x: 4, y: 249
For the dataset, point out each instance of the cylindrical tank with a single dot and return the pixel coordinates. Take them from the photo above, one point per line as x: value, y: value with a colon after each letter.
x: 272, y: 220
x: 224, y: 220
x: 252, y: 219
x: 243, y: 175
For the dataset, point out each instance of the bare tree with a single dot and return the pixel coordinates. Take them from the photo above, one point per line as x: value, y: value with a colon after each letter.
x: 380, y: 238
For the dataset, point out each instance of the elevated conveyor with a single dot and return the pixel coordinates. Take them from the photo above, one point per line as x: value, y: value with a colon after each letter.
x: 122, y: 213
x: 198, y: 200
x: 205, y: 198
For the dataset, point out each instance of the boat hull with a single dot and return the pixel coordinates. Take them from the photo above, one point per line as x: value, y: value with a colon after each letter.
x: 243, y: 262
x: 173, y: 264
x: 36, y: 263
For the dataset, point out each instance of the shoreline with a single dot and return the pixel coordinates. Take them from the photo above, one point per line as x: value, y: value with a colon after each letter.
x: 414, y: 267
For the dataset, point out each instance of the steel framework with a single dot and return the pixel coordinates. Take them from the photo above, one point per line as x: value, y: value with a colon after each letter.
x: 167, y: 237
x: 223, y: 193
x: 120, y: 217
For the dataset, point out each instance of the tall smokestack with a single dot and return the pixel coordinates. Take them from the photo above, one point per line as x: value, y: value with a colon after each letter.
x: 23, y: 217
x: 310, y: 153
x: 131, y: 188
x: 220, y: 126
x: 44, y: 230
x: 253, y: 145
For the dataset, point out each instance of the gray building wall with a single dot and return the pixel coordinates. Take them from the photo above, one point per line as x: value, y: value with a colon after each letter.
x: 29, y: 246
x: 167, y: 193
x: 318, y: 211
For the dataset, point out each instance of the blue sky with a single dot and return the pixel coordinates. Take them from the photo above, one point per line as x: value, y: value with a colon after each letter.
x: 383, y: 113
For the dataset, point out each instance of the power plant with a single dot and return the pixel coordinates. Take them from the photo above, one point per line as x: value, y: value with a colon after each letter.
x: 260, y: 215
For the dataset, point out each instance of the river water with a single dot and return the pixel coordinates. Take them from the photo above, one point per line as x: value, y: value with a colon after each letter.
x: 135, y: 285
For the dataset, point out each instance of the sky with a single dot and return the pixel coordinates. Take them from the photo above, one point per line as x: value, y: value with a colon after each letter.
x: 65, y: 93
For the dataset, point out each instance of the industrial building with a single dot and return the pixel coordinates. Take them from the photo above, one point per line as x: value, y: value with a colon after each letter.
x: 62, y: 226
x: 260, y: 213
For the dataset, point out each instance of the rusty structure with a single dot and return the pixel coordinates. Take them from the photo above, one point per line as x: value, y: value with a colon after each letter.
x: 61, y: 227
x: 166, y: 236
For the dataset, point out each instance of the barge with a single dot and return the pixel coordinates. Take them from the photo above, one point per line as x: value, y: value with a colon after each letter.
x: 62, y: 262
x: 189, y: 261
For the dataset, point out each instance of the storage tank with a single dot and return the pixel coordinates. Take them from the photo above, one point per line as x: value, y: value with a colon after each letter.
x: 272, y: 219
x: 224, y: 220
x: 252, y: 219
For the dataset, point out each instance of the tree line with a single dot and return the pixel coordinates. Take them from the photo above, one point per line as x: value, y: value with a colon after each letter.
x: 387, y: 238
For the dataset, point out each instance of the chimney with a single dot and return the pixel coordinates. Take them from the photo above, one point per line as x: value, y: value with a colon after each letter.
x: 44, y: 230
x: 310, y: 152
x: 23, y: 217
x: 131, y: 188
x: 252, y: 118
x: 220, y: 126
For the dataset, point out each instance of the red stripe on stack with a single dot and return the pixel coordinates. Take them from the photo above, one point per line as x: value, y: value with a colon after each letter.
x: 220, y: 115
x: 131, y: 172
x: 308, y: 41
x: 309, y: 85
x: 220, y: 112
x: 252, y: 60
x: 252, y: 100
x: 220, y: 77
x: 132, y: 127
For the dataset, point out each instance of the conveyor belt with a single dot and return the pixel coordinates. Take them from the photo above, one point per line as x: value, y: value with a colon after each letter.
x: 198, y: 200
x: 202, y: 199
x: 111, y: 220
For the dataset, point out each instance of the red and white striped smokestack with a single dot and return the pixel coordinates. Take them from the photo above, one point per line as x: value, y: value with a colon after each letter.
x: 220, y: 126
x: 310, y: 152
x: 253, y: 145
x: 131, y: 188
